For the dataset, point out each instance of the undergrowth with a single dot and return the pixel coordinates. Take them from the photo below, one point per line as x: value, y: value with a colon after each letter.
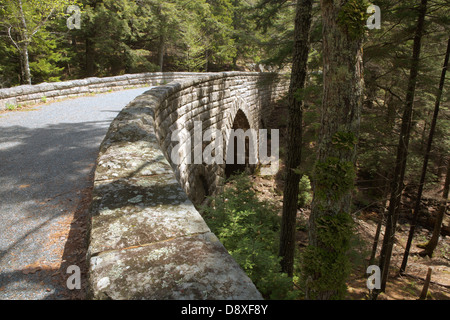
x: 249, y: 230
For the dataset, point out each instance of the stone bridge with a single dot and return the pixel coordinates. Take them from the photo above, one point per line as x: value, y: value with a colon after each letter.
x: 147, y: 239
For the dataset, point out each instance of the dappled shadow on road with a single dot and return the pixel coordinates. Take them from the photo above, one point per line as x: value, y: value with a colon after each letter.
x: 44, y: 163
x: 75, y: 251
x: 44, y: 176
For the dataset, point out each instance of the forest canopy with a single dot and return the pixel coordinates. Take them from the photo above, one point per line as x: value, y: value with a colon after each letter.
x: 130, y: 36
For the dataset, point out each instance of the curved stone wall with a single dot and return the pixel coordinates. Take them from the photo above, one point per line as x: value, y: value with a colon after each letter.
x: 44, y: 92
x: 214, y: 101
x: 148, y: 241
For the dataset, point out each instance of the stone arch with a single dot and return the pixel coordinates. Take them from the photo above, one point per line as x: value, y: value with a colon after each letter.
x: 240, y: 121
x: 151, y: 201
x: 240, y: 117
x: 241, y: 104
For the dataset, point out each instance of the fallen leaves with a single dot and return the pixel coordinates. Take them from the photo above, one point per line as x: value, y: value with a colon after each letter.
x: 31, y: 268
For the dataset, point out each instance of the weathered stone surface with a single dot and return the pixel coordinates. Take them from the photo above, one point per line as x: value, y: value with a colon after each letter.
x: 135, y: 225
x: 126, y: 159
x: 147, y: 240
x: 149, y: 191
x: 140, y: 211
x: 193, y: 267
x: 30, y: 94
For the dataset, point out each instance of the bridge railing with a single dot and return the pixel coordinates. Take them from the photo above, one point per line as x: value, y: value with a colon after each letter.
x: 45, y: 92
x: 148, y: 241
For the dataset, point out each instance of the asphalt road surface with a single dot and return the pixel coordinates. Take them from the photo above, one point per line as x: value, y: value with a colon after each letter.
x: 47, y: 156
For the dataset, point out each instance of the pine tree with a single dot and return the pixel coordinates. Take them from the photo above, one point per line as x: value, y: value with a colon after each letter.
x: 402, y: 152
x: 297, y: 84
x: 325, y: 263
x: 425, y: 163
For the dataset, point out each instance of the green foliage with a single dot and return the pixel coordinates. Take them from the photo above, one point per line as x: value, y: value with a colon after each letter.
x: 275, y: 20
x: 304, y: 192
x: 327, y: 263
x: 10, y: 106
x: 344, y: 140
x: 387, y: 54
x: 249, y: 228
x: 9, y: 64
x: 25, y: 23
x: 334, y: 178
x: 137, y: 61
x: 47, y: 58
x: 353, y: 17
x: 306, y: 93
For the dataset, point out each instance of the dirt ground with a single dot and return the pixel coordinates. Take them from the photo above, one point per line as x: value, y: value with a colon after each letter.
x: 399, y: 287
x: 405, y: 287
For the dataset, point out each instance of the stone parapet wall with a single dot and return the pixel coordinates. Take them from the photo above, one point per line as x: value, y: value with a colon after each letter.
x: 45, y: 92
x: 214, y: 101
x: 147, y: 239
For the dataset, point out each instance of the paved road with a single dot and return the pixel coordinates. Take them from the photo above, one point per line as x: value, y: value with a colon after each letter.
x: 47, y: 155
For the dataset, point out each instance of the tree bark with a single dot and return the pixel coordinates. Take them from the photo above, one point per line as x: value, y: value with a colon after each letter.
x: 24, y: 46
x: 89, y: 57
x: 161, y: 52
x: 402, y: 152
x: 432, y: 244
x: 379, y: 226
x: 162, y: 40
x: 294, y: 144
x: 423, y: 294
x: 326, y: 264
x: 425, y: 162
x: 26, y: 63
x: 376, y: 239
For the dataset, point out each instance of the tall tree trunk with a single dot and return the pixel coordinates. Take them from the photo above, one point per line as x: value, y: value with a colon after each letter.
x: 425, y: 162
x: 26, y: 63
x: 22, y: 69
x: 424, y: 293
x: 432, y: 244
x: 24, y: 46
x: 294, y: 147
x: 402, y: 153
x: 375, y: 239
x: 236, y: 23
x: 161, y: 52
x: 162, y: 40
x: 89, y: 57
x: 325, y: 262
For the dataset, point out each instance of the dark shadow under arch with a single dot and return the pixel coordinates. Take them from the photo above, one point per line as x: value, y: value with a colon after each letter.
x: 240, y: 122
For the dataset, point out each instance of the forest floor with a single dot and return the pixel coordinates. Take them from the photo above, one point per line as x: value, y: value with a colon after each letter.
x: 399, y: 287
x: 405, y: 287
x: 269, y: 188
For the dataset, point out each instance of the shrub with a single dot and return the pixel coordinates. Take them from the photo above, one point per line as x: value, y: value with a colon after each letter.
x: 249, y: 229
x: 304, y: 192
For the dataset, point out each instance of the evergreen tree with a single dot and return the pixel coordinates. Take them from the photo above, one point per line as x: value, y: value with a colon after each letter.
x: 402, y: 152
x: 297, y: 84
x: 325, y: 263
